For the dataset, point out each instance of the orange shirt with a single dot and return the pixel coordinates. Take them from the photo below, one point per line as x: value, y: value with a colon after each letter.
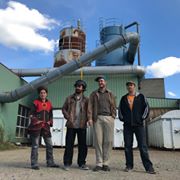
x: 130, y: 101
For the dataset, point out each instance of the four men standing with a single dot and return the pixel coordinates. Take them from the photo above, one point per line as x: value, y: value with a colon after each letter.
x: 99, y: 111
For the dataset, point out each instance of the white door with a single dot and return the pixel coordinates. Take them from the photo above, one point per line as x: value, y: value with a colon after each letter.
x: 176, y: 133
x: 58, y: 130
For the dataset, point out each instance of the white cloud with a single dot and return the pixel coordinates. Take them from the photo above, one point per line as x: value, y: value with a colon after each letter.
x: 19, y: 27
x: 165, y: 67
x: 171, y: 94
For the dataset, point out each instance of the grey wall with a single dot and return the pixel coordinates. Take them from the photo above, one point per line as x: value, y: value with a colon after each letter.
x: 153, y: 87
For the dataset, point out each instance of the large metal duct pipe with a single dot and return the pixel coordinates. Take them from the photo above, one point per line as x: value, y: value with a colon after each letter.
x: 68, y: 68
x: 32, y: 72
x: 132, y: 49
x: 138, y: 70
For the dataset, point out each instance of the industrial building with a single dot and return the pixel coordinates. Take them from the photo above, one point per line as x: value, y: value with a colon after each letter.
x: 114, y: 58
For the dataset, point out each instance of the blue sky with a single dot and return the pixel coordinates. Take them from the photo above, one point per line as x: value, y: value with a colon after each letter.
x: 30, y: 30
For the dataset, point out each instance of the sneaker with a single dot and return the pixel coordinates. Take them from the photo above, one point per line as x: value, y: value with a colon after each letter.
x: 84, y: 167
x: 128, y: 169
x: 105, y: 168
x: 66, y: 168
x: 35, y: 167
x: 53, y: 165
x: 151, y: 171
x: 97, y: 168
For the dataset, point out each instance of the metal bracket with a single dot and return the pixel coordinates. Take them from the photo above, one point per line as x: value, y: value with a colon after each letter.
x: 56, y: 129
x: 119, y: 130
x: 176, y: 131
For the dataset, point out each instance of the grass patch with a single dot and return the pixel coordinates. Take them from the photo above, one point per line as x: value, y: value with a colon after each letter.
x: 1, y: 134
x: 7, y: 146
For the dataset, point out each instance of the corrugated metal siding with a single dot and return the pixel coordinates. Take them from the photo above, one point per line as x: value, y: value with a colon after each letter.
x: 63, y: 87
x: 7, y: 76
x: 8, y: 111
x: 162, y: 103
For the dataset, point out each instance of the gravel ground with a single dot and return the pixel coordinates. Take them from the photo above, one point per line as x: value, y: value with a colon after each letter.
x: 15, y: 165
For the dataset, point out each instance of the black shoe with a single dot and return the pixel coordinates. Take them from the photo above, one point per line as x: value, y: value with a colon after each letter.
x: 53, y: 165
x: 128, y: 169
x: 105, y: 168
x: 35, y: 167
x: 151, y: 171
x: 97, y: 168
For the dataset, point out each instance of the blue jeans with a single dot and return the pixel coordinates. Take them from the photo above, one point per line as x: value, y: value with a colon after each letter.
x: 141, y: 139
x: 34, y: 150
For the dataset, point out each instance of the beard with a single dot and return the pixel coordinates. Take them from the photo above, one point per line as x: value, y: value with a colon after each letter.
x: 78, y: 91
x: 102, y: 86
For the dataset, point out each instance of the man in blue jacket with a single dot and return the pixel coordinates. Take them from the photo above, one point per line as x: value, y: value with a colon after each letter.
x: 133, y: 110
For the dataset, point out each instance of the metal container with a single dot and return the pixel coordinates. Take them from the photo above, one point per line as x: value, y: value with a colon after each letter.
x: 72, y: 38
x: 58, y: 130
x: 65, y: 56
x: 164, y: 131
x: 118, y: 141
x: 71, y: 45
x: 89, y: 136
x: 116, y: 57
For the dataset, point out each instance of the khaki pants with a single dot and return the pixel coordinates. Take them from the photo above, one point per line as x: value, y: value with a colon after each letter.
x: 103, y: 130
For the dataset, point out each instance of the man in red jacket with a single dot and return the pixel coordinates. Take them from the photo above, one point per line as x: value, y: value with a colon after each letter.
x: 41, y: 121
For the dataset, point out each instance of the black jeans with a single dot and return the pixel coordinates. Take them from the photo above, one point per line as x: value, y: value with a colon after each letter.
x: 34, y: 150
x: 82, y: 147
x: 141, y: 139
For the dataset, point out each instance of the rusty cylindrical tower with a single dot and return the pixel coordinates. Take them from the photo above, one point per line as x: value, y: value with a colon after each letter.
x: 71, y: 45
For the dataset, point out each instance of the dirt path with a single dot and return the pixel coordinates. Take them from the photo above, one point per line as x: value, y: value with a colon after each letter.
x: 15, y: 165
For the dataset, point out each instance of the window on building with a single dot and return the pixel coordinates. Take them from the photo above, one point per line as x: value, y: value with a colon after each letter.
x: 22, y: 121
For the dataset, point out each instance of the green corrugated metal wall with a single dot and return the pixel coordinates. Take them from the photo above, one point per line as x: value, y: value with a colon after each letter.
x: 63, y: 87
x: 162, y: 103
x: 59, y: 90
x: 8, y: 111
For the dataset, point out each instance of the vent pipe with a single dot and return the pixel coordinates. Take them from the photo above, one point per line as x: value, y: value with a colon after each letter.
x: 69, y: 67
x: 137, y: 70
